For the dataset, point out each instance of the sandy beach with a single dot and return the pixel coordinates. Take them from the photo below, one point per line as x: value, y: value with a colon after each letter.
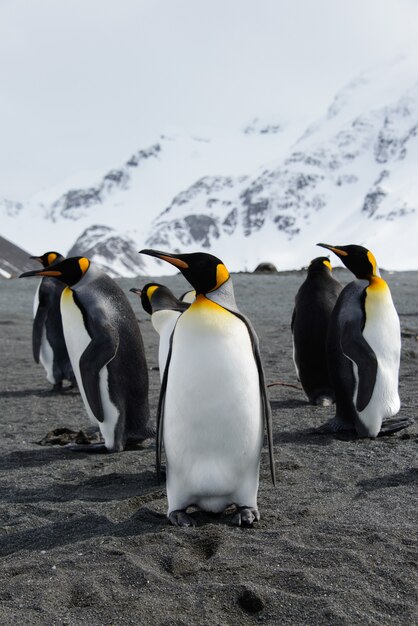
x: 85, y: 539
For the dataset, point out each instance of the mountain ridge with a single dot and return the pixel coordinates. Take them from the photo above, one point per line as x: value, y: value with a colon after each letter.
x: 265, y: 193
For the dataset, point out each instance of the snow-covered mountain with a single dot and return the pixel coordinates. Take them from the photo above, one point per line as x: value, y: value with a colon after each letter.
x: 267, y: 192
x: 87, y: 217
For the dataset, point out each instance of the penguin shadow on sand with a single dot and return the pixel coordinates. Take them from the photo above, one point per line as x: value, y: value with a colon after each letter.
x: 288, y: 403
x: 111, y: 487
x: 301, y: 436
x: 67, y: 529
x: 39, y: 393
x: 35, y: 458
x: 408, y: 477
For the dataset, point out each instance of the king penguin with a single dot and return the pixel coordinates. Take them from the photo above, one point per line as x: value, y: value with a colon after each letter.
x: 165, y: 309
x: 106, y: 351
x: 48, y: 341
x: 314, y: 303
x: 213, y: 402
x: 363, y: 349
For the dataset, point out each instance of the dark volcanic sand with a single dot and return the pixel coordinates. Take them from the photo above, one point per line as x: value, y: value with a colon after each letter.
x: 84, y: 538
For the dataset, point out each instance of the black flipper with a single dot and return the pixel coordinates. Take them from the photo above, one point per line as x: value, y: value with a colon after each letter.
x: 356, y: 348
x: 100, y: 351
x: 160, y: 410
x: 268, y: 420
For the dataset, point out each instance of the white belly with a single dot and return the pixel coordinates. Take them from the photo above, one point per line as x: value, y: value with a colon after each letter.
x: 382, y: 333
x: 46, y: 357
x: 77, y: 340
x: 164, y: 322
x: 46, y: 353
x: 213, y: 425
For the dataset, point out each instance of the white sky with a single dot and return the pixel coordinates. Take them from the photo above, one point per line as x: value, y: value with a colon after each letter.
x: 85, y: 83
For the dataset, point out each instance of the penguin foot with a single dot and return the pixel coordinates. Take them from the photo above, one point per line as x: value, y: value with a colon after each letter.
x: 391, y: 426
x: 72, y: 385
x: 180, y: 518
x: 148, y: 432
x: 329, y: 427
x: 59, y: 387
x: 245, y: 516
x: 333, y: 426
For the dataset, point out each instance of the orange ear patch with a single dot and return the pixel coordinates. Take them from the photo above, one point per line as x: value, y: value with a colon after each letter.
x: 84, y: 264
x: 222, y: 275
x: 51, y: 258
x: 151, y: 290
x: 372, y: 260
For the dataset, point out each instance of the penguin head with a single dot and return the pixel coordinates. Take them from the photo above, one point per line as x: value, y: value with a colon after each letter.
x: 320, y: 264
x: 48, y: 258
x: 357, y: 259
x: 69, y: 271
x: 204, y: 272
x: 146, y: 294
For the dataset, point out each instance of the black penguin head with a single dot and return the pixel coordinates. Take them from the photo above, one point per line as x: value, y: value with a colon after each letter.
x: 48, y: 258
x: 69, y: 271
x: 146, y: 294
x: 204, y: 272
x: 320, y: 264
x: 357, y: 259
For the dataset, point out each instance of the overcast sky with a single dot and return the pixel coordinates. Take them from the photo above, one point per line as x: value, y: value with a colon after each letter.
x: 85, y: 83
